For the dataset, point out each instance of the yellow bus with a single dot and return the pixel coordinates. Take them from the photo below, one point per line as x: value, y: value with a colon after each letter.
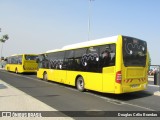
x: 115, y: 64
x: 22, y: 63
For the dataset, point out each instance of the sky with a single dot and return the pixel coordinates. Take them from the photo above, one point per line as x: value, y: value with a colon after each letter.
x: 35, y: 26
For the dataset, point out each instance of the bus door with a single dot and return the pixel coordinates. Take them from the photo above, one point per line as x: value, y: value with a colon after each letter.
x: 107, y: 66
x: 59, y: 72
x: 90, y: 61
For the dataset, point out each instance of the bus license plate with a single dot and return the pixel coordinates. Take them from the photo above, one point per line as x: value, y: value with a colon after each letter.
x: 135, y: 85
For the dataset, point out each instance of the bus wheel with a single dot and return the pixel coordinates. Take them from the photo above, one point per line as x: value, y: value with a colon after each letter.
x: 7, y: 68
x: 45, y: 77
x: 16, y: 71
x: 80, y: 84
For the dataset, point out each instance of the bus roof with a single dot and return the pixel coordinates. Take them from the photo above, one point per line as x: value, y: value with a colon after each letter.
x: 92, y: 42
x: 21, y: 54
x: 14, y: 54
x: 112, y: 39
x: 53, y: 50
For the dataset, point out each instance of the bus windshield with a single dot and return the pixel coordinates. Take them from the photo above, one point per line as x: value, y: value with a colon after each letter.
x: 31, y: 57
x: 134, y: 52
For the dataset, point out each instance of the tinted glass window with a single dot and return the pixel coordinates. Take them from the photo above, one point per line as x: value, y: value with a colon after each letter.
x: 14, y: 60
x: 19, y: 59
x: 107, y: 55
x: 91, y: 59
x: 69, y: 60
x: 30, y: 57
x: 8, y: 60
x: 134, y: 52
x: 55, y: 60
x: 79, y: 59
x: 43, y: 61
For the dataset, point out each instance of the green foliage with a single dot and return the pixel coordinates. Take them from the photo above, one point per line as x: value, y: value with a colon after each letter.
x: 4, y: 38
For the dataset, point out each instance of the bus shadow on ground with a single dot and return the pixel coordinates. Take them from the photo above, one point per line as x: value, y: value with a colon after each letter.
x: 124, y: 96
x: 32, y: 73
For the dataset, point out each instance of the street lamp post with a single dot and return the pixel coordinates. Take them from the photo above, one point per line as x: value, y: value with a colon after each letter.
x: 89, y: 19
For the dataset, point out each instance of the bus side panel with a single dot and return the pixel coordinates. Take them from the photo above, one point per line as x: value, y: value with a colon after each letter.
x: 20, y: 68
x: 7, y: 67
x: 59, y: 75
x: 109, y: 79
x: 94, y: 81
x: 70, y: 78
x: 10, y: 67
x: 53, y: 75
x: 13, y: 67
x: 50, y: 74
x: 72, y: 75
x: 40, y: 73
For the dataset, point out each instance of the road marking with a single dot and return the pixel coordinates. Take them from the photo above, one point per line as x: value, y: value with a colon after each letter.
x: 24, y: 76
x: 113, y: 101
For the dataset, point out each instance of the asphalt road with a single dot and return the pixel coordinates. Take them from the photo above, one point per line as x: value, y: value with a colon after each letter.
x: 66, y: 98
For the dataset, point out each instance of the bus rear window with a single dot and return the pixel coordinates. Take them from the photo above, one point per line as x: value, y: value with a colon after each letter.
x: 134, y: 52
x: 30, y: 57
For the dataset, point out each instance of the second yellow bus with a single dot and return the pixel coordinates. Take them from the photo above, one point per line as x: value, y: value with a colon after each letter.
x: 22, y: 63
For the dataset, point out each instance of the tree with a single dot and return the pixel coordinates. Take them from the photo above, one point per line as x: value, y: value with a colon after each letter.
x: 3, y: 40
x: 5, y: 37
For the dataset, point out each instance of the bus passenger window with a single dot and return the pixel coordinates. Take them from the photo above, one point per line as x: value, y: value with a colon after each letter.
x: 79, y: 60
x: 92, y: 59
x: 107, y: 55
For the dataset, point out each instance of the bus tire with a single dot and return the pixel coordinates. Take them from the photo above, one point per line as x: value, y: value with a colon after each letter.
x: 80, y: 84
x: 16, y: 71
x: 7, y: 68
x: 45, y: 76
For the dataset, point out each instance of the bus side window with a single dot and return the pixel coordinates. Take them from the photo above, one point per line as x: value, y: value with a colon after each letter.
x: 20, y: 59
x: 79, y: 61
x: 107, y: 55
x: 69, y: 60
x: 92, y: 59
x: 113, y: 55
x: 60, y: 60
x: 43, y: 61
